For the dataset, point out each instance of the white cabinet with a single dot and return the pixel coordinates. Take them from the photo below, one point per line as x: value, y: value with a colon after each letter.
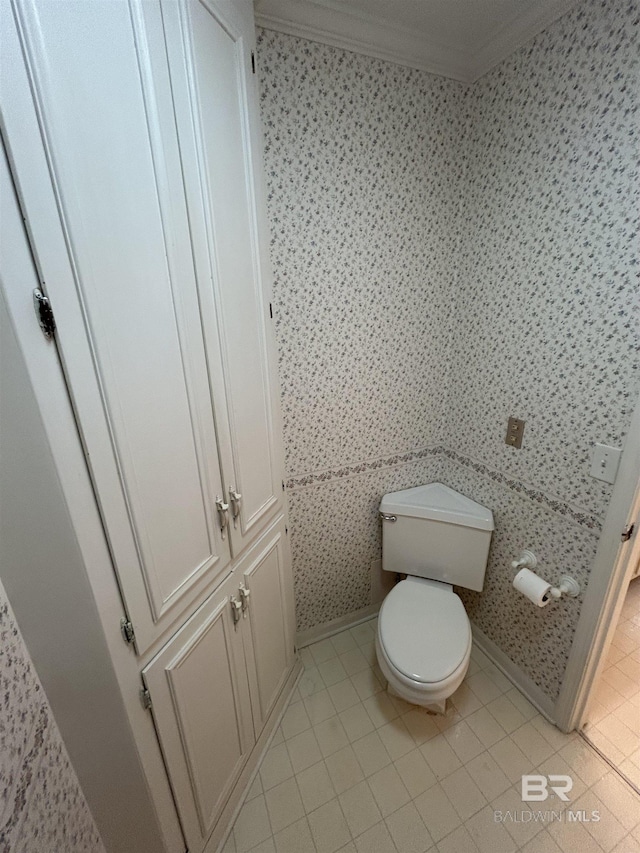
x: 209, y: 46
x: 199, y: 684
x: 132, y: 133
x: 200, y: 696
x: 269, y: 636
x: 161, y: 297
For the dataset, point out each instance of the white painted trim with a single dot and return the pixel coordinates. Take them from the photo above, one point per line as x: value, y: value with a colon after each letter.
x: 363, y: 34
x: 607, y: 580
x: 328, y: 629
x: 338, y: 26
x: 524, y: 684
x: 533, y: 20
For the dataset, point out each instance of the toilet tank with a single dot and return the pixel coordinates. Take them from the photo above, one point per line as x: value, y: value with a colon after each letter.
x: 435, y: 532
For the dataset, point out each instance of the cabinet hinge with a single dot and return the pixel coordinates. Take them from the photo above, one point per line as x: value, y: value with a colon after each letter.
x: 145, y: 698
x: 253, y: 62
x: 44, y: 313
x: 127, y: 630
x: 627, y: 533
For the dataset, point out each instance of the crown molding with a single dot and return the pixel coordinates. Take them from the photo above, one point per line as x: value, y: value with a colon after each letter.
x: 336, y: 25
x: 362, y: 34
x: 533, y: 20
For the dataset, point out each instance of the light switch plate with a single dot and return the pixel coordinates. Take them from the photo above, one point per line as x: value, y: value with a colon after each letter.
x: 604, y: 465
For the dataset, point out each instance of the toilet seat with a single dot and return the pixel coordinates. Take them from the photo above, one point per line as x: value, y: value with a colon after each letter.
x: 424, y: 633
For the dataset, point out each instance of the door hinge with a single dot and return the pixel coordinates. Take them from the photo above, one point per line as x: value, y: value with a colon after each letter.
x: 44, y: 313
x: 126, y: 626
x: 145, y: 698
x: 253, y: 62
x: 627, y: 533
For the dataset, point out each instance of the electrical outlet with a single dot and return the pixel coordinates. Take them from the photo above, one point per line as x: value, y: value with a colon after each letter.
x: 604, y: 465
x: 515, y: 431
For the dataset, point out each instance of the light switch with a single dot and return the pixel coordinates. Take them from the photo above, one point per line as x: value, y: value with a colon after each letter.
x: 605, y: 463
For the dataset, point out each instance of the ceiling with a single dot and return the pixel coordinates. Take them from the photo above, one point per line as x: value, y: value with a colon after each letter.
x: 462, y: 39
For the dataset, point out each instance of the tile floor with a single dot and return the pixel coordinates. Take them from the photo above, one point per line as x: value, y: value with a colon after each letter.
x: 355, y: 770
x: 614, y: 713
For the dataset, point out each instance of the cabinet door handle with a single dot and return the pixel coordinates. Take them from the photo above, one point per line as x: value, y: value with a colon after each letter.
x: 235, y: 498
x: 223, y: 509
x: 236, y: 609
x: 244, y: 597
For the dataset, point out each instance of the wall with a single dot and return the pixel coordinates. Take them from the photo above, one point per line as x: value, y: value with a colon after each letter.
x: 545, y: 307
x: 362, y: 187
x: 481, y: 268
x: 42, y: 808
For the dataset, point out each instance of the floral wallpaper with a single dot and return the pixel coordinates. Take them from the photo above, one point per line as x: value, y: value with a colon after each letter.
x: 446, y: 256
x: 546, y: 309
x: 42, y: 808
x: 546, y: 298
x: 362, y: 198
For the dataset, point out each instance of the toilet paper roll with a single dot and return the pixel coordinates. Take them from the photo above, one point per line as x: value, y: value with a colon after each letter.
x: 535, y: 588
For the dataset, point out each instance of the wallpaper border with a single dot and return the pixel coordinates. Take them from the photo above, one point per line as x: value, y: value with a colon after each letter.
x: 576, y: 514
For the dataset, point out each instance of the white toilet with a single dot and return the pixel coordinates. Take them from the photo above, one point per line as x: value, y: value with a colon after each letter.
x: 437, y: 537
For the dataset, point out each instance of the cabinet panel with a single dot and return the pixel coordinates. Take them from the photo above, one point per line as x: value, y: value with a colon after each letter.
x: 202, y: 712
x: 128, y: 314
x: 209, y: 47
x: 267, y: 576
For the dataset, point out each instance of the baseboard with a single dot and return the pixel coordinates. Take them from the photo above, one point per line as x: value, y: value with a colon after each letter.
x: 516, y: 676
x: 328, y: 629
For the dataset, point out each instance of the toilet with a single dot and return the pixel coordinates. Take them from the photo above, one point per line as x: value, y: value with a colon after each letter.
x: 438, y: 538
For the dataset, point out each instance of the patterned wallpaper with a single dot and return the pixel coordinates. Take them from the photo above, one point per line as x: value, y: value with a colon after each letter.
x: 446, y: 256
x: 42, y: 808
x: 362, y: 190
x: 546, y: 298
x: 546, y: 308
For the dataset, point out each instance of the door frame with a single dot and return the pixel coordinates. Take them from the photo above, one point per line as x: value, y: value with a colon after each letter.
x: 604, y: 597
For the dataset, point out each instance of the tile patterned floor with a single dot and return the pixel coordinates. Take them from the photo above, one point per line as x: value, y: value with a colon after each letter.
x: 355, y: 770
x: 614, y: 713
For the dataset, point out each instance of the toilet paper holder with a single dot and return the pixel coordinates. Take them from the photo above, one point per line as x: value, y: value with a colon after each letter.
x: 527, y: 560
x: 568, y: 586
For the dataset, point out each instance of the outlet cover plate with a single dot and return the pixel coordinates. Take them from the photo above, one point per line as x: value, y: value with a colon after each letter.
x: 604, y: 465
x: 515, y: 431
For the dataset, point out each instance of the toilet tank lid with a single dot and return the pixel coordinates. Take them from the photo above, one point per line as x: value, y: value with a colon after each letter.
x: 438, y: 502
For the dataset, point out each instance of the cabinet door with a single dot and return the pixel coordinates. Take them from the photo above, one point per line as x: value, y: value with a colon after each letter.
x: 202, y: 711
x: 209, y: 44
x: 113, y: 245
x: 266, y: 574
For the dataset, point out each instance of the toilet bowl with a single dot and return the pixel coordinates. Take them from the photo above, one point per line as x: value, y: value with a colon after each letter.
x: 437, y: 537
x: 423, y: 642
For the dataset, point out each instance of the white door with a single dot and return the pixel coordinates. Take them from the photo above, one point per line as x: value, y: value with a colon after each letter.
x: 269, y: 640
x: 111, y: 231
x: 209, y: 44
x: 201, y: 708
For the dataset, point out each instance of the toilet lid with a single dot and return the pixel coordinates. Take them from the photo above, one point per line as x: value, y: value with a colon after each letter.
x: 424, y: 630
